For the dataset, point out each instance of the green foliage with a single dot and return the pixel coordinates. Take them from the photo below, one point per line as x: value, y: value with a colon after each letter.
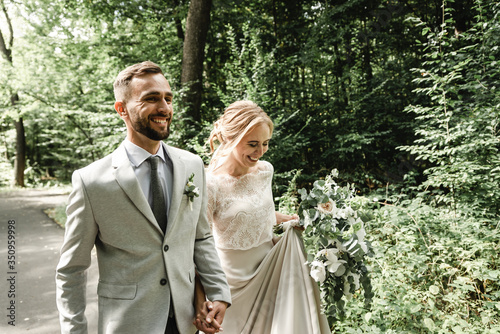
x: 304, y: 64
x: 65, y: 61
x: 333, y: 77
x: 431, y: 272
x: 458, y: 132
x: 58, y: 214
x: 288, y: 202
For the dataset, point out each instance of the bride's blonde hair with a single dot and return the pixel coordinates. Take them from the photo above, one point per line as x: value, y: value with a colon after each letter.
x: 238, y: 119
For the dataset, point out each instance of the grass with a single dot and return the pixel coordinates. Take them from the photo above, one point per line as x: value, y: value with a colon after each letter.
x: 57, y: 214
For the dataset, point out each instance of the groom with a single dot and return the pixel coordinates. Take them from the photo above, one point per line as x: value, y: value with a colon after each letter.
x: 149, y: 228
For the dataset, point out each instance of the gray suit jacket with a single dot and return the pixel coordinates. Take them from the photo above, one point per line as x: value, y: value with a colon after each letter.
x: 140, y: 268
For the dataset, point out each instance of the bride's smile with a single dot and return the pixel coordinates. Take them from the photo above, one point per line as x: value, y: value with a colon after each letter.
x: 249, y: 150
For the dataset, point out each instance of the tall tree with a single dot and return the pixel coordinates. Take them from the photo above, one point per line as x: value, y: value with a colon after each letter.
x: 457, y: 121
x: 197, y: 24
x: 6, y: 50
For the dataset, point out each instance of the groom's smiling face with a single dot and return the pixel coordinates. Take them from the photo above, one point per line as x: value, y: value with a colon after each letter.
x: 150, y: 107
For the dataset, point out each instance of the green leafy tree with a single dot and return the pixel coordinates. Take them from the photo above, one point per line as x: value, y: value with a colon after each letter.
x: 62, y: 75
x: 334, y: 77
x: 6, y: 48
x: 458, y: 132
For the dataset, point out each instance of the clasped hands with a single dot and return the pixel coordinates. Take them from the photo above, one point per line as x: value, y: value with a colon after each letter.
x: 209, y: 316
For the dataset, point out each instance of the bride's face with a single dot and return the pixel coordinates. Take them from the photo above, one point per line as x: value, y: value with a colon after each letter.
x: 252, y: 146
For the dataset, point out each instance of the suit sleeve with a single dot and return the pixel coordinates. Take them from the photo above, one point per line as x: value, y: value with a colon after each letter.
x: 71, y: 273
x: 205, y: 256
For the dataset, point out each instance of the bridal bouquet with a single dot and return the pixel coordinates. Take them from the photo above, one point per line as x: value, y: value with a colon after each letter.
x: 334, y: 239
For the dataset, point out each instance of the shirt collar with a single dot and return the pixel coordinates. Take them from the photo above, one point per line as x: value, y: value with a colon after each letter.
x: 138, y: 155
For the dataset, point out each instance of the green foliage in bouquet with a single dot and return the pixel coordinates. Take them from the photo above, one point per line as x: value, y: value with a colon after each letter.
x: 334, y: 239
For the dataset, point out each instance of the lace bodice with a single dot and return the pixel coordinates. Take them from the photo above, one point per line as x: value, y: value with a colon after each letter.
x: 241, y: 210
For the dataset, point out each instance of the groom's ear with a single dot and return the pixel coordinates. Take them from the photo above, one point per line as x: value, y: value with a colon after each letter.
x: 120, y: 109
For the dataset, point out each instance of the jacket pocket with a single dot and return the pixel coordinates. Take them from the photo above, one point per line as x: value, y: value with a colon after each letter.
x: 117, y: 291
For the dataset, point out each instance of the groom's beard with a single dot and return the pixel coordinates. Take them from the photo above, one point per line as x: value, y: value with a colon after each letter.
x: 143, y: 126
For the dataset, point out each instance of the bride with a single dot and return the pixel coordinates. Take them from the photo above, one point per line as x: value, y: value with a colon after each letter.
x: 271, y: 290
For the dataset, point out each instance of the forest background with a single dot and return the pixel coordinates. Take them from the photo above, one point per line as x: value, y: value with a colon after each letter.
x: 400, y: 96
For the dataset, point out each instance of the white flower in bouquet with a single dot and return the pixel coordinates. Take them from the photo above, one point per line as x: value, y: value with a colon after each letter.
x: 318, y: 272
x: 307, y: 220
x: 327, y: 207
x: 333, y: 263
x: 342, y: 214
x: 351, y: 221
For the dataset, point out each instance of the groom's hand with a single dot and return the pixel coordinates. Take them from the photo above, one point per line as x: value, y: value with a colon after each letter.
x: 210, y: 316
x: 200, y: 321
x: 216, y: 314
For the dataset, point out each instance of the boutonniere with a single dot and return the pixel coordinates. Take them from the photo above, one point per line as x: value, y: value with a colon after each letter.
x: 191, y: 191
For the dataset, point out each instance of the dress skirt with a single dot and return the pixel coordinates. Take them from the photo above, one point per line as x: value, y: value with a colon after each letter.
x: 271, y: 290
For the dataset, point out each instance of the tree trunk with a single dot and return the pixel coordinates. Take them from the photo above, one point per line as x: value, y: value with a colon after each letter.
x: 177, y: 20
x: 197, y: 24
x: 20, y: 162
x: 6, y: 50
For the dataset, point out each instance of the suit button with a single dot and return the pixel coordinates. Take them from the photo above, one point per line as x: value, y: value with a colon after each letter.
x: 163, y: 281
x: 165, y: 248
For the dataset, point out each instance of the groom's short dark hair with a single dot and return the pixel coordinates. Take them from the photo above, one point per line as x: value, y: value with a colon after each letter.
x: 122, y: 82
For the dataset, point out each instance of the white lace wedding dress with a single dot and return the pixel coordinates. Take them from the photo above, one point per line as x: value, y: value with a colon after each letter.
x: 271, y: 290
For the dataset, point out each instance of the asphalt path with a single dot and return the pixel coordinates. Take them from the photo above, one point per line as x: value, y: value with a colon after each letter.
x: 27, y: 286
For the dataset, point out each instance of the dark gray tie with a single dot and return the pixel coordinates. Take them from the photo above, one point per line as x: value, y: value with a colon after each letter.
x: 159, y: 207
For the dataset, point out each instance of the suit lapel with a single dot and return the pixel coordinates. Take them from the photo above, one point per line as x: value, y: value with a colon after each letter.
x: 179, y: 182
x: 127, y: 180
